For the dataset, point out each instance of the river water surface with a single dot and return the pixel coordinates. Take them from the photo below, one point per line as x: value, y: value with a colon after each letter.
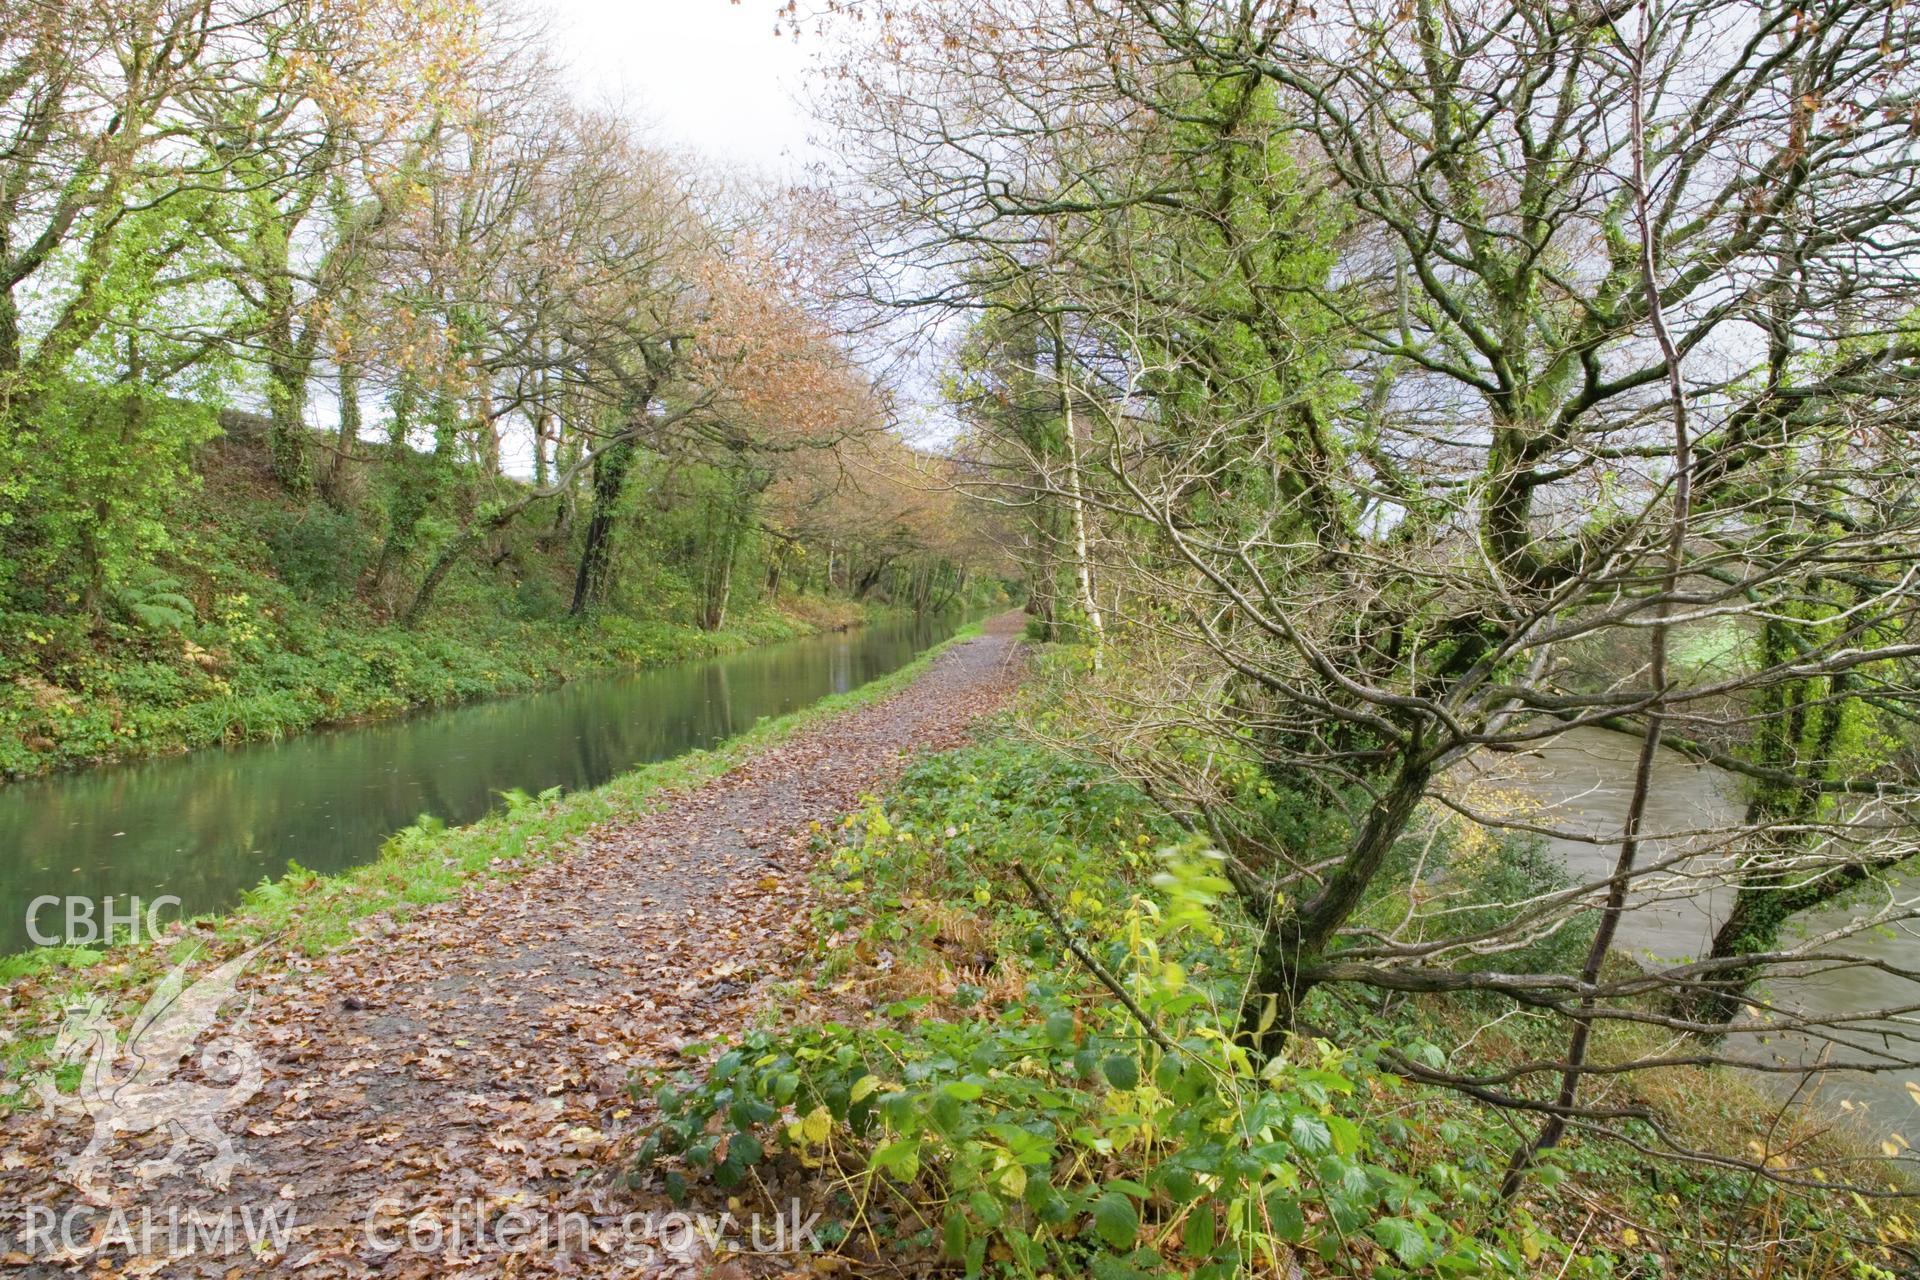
x: 207, y: 826
x: 1580, y: 783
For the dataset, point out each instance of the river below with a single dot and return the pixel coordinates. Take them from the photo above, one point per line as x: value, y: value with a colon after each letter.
x: 1580, y: 783
x: 207, y: 826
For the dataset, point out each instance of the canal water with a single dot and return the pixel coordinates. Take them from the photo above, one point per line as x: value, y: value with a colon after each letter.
x: 207, y: 826
x: 1580, y: 782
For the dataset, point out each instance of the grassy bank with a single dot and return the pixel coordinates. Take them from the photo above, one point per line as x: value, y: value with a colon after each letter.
x: 423, y: 864
x: 978, y: 1101
x: 266, y: 618
x: 308, y: 670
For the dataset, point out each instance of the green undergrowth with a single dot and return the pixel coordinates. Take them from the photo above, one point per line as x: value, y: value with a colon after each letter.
x: 260, y: 667
x: 974, y: 1100
x: 265, y: 617
x: 303, y: 912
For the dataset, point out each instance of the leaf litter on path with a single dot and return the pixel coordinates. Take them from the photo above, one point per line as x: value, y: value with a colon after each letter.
x: 468, y: 1069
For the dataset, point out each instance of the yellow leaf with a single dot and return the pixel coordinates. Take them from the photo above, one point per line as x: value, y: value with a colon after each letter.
x: 1013, y: 1181
x: 1629, y: 1237
x: 817, y: 1125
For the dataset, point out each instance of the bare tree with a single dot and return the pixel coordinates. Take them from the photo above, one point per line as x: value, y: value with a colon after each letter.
x: 1442, y: 355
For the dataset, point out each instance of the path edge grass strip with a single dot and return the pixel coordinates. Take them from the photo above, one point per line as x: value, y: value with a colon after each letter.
x: 309, y: 913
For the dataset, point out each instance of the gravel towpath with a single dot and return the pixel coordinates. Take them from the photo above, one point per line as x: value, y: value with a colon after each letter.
x: 451, y: 1099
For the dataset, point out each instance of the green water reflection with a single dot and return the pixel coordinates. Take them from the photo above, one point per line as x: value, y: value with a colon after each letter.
x: 206, y: 826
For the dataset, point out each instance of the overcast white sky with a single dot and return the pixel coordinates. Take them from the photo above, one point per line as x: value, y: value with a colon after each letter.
x: 703, y: 74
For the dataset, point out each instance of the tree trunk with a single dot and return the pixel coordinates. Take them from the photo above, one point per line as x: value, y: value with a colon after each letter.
x: 719, y: 591
x: 867, y: 580
x: 541, y: 424
x: 1555, y: 1125
x: 725, y: 539
x: 776, y: 567
x: 1082, y: 558
x: 287, y: 417
x: 334, y: 487
x: 610, y: 470
x: 414, y: 481
x: 1801, y: 723
x: 956, y: 584
x: 1294, y: 946
x: 436, y: 574
x: 9, y: 335
x: 488, y: 432
x: 458, y: 546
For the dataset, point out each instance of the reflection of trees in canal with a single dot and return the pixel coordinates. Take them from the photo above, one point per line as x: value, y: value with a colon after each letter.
x: 206, y: 826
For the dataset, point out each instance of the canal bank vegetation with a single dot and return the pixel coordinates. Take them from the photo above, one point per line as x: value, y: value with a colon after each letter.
x: 1370, y: 394
x: 263, y: 630
x: 347, y: 365
x: 1384, y: 394
x: 1020, y: 1053
x: 304, y: 913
